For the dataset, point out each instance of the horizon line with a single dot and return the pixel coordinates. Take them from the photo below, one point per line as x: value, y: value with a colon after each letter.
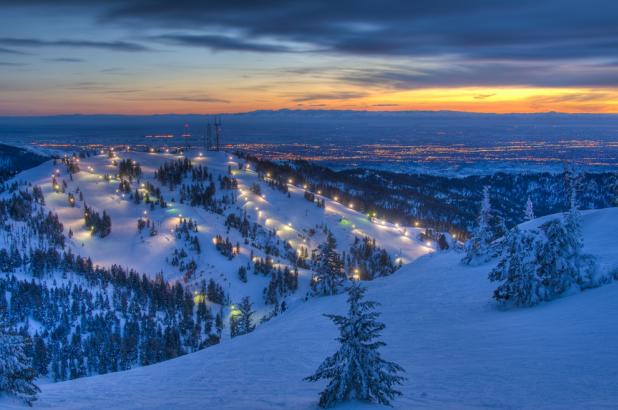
x: 77, y: 114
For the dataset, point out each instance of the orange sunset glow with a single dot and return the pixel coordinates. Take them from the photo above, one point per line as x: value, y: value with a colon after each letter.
x: 138, y: 58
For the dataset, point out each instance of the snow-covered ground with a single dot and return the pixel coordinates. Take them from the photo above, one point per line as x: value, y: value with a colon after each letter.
x: 292, y: 218
x: 459, y: 349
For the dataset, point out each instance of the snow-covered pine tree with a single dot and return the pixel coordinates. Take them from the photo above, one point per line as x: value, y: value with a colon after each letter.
x: 16, y: 371
x: 241, y: 320
x: 529, y: 210
x: 518, y: 270
x: 479, y: 248
x: 542, y: 264
x: 329, y: 274
x: 357, y: 370
x: 562, y: 263
x: 572, y: 218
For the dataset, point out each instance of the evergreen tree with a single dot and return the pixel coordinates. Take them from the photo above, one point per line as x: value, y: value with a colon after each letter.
x: 517, y: 269
x: 480, y: 248
x: 572, y: 218
x: 241, y: 320
x: 529, y: 210
x: 329, y: 274
x: 242, y: 274
x: 542, y: 264
x: 16, y: 372
x: 357, y: 370
x: 562, y: 264
x: 40, y: 359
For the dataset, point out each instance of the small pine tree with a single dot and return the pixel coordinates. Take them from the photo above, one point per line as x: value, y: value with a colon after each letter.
x: 518, y: 271
x: 480, y: 247
x: 572, y: 218
x: 242, y: 274
x: 356, y: 370
x: 561, y: 262
x: 16, y: 372
x: 329, y: 270
x: 529, y: 210
x: 241, y: 320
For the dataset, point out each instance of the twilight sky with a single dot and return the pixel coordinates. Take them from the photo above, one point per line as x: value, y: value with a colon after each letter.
x: 188, y: 56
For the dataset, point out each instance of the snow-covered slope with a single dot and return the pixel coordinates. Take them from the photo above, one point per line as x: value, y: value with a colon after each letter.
x: 292, y: 218
x: 459, y: 349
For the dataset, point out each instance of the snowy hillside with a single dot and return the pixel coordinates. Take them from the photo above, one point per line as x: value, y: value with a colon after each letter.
x: 292, y: 219
x: 459, y: 349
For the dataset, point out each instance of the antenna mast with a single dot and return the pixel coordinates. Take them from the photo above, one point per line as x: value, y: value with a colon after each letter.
x: 186, y: 136
x: 218, y: 133
x: 209, y: 137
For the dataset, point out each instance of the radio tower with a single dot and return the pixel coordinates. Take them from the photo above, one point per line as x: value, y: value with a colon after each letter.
x: 218, y: 132
x: 186, y: 136
x: 208, y: 137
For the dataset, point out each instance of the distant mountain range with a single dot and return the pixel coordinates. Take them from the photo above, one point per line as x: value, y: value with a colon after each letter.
x: 313, y: 114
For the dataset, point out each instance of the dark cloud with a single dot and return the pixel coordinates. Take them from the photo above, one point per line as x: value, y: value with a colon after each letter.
x: 551, y: 43
x: 483, y: 96
x: 484, y: 74
x: 220, y: 43
x: 11, y: 64
x: 194, y: 99
x: 346, y: 95
x: 200, y: 99
x: 488, y: 29
x: 10, y: 51
x: 106, y: 45
x: 65, y: 60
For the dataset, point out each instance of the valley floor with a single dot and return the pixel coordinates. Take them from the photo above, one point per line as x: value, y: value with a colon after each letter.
x: 459, y: 349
